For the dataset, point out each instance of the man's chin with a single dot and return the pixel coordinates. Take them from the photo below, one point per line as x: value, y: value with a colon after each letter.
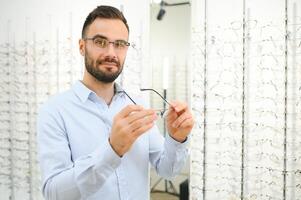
x: 108, y: 77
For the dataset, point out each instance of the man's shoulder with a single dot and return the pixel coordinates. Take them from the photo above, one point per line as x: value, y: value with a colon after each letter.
x: 56, y: 101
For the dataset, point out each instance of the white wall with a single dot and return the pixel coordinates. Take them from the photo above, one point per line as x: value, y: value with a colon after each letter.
x: 171, y: 35
x: 170, y: 38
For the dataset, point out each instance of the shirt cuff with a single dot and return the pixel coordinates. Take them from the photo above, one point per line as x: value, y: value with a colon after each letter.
x: 174, y: 145
x: 175, y: 142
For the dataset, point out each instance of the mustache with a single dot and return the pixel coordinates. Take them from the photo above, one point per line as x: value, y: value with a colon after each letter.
x: 113, y: 60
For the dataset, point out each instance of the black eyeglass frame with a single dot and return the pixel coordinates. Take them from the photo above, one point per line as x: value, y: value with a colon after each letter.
x: 148, y: 89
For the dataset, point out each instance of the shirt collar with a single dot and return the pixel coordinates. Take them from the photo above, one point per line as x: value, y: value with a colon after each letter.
x: 83, y: 92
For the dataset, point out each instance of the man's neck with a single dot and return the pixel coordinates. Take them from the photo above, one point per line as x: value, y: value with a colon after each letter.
x: 103, y: 90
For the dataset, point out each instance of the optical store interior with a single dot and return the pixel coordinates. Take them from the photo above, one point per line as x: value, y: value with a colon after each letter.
x: 236, y: 65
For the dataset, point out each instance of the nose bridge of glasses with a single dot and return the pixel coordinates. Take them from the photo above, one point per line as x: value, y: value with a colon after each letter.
x: 113, y: 44
x: 160, y: 111
x: 110, y: 49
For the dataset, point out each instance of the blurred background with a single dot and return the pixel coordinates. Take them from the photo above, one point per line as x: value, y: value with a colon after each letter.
x: 237, y: 63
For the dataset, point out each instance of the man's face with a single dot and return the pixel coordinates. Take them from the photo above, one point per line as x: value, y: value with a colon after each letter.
x: 104, y: 64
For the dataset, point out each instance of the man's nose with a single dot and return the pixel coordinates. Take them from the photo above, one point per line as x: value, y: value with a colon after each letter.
x: 111, y: 49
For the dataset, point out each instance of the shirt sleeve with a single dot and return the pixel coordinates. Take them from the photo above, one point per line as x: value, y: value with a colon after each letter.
x: 62, y: 177
x: 167, y: 155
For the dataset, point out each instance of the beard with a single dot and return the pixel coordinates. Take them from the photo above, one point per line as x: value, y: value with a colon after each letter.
x: 99, y: 74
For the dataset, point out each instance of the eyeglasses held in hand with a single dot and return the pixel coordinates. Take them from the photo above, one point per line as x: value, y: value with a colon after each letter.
x: 160, y: 112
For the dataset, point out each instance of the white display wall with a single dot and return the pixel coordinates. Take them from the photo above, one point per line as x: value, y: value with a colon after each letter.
x: 246, y: 64
x: 39, y: 57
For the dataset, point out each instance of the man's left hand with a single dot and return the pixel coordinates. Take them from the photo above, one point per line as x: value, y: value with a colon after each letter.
x: 179, y: 121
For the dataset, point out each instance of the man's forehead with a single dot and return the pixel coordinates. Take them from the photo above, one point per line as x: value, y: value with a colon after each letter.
x: 111, y: 28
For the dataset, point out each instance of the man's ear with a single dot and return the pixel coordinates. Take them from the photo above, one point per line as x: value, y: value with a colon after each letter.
x: 81, y: 43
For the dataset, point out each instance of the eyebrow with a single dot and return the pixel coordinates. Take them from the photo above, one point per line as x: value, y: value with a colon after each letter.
x: 100, y: 36
x: 104, y: 37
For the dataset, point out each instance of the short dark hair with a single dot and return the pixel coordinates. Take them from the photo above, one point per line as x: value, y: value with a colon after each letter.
x: 106, y: 12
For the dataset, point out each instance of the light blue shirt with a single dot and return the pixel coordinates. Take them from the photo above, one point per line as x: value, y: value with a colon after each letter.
x: 77, y: 161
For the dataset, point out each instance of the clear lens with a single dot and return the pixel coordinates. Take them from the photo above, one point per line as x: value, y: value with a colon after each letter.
x: 101, y: 42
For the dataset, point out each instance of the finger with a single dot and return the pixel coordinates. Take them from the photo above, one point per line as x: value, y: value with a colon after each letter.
x: 179, y: 106
x: 125, y: 124
x: 129, y: 109
x: 171, y: 116
x: 142, y: 129
x: 172, y: 106
x: 180, y: 119
x: 188, y: 123
x: 140, y: 114
x: 142, y: 122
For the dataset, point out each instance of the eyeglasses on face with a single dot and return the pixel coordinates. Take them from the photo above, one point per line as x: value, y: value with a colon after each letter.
x: 102, y: 42
x: 159, y: 112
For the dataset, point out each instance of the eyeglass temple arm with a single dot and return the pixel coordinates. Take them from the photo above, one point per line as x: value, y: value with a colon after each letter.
x: 144, y: 89
x: 127, y: 96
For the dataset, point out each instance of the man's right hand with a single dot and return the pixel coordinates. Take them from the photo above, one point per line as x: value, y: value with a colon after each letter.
x: 128, y: 125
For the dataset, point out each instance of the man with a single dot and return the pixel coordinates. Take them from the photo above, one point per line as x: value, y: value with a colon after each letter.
x: 94, y: 143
